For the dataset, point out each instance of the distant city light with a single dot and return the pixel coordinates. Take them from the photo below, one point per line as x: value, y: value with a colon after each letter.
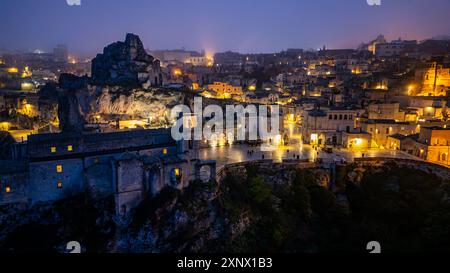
x: 13, y: 70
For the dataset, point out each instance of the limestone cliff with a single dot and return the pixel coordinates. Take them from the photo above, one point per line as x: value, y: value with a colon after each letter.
x: 107, y: 104
x: 126, y: 63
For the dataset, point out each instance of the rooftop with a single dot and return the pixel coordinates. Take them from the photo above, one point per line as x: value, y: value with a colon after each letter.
x: 93, y: 137
x: 386, y: 121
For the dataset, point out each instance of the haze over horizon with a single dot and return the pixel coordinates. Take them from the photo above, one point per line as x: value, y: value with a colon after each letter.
x: 244, y: 26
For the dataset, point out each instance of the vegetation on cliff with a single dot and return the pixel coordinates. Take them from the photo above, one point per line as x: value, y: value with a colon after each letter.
x: 258, y: 210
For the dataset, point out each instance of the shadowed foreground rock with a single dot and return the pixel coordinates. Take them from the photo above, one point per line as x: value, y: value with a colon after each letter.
x: 254, y: 210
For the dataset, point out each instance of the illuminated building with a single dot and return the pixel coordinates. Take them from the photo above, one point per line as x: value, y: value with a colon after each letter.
x: 371, y: 46
x: 431, y: 144
x: 434, y: 79
x: 356, y: 140
x: 382, y: 129
x: 61, y: 54
x: 26, y: 86
x: 26, y: 72
x: 225, y: 90
x: 392, y: 49
x: 177, y: 72
x: 13, y: 70
x: 385, y: 111
x: 184, y: 56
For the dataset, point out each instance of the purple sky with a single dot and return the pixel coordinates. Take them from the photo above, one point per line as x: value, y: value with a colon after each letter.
x: 217, y: 25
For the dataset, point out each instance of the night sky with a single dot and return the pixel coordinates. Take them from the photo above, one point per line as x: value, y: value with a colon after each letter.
x: 217, y: 25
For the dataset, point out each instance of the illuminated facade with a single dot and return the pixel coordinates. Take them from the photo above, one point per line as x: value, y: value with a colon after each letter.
x: 385, y: 111
x: 225, y: 90
x: 325, y: 126
x: 382, y: 129
x: 130, y: 165
x: 431, y: 144
x: 434, y: 80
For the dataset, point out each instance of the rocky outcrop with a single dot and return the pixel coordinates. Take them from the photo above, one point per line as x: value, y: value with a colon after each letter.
x: 69, y: 112
x: 127, y: 64
x: 6, y: 142
x: 109, y: 104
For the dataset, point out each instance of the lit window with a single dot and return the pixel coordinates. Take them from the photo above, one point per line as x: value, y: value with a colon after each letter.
x: 59, y: 185
x: 177, y: 172
x: 8, y: 189
x: 164, y: 151
x: 70, y: 148
x: 53, y: 149
x: 59, y: 169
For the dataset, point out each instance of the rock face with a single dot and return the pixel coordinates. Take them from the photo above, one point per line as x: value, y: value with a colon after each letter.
x: 126, y: 63
x: 111, y: 103
x: 69, y: 112
x: 69, y: 81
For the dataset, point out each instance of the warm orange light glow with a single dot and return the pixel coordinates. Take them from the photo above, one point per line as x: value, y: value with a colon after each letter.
x: 53, y: 150
x: 164, y: 151
x: 59, y: 169
x: 8, y: 189
x: 4, y: 126
x: 13, y: 70
x: 357, y: 141
x: 177, y: 172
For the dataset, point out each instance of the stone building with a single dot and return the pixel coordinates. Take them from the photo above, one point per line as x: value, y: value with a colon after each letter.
x: 382, y: 129
x: 126, y: 63
x: 434, y: 79
x: 431, y: 144
x: 385, y: 111
x: 224, y: 90
x: 325, y: 126
x: 130, y: 165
